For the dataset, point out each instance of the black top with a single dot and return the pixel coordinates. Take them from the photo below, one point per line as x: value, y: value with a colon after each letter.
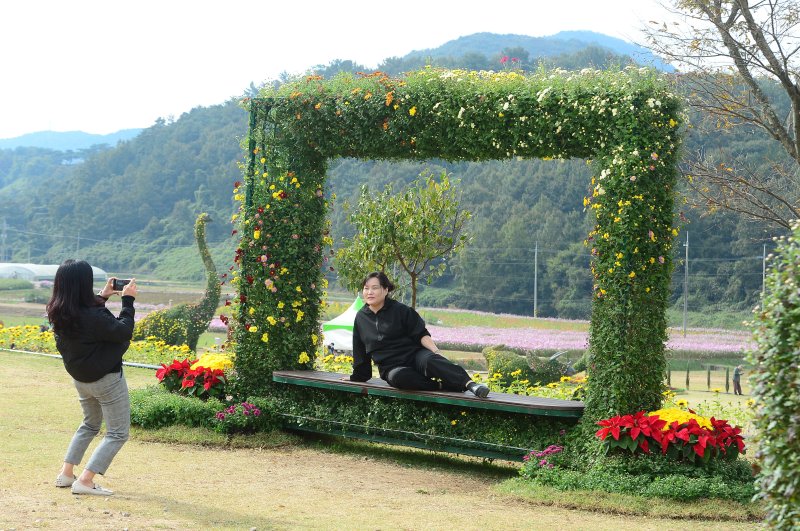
x: 97, y: 348
x: 389, y: 337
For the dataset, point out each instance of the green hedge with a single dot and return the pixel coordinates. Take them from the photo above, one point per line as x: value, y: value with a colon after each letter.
x: 649, y: 476
x: 776, y: 385
x: 438, y: 425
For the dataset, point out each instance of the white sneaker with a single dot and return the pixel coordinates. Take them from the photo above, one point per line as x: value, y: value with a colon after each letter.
x: 95, y: 489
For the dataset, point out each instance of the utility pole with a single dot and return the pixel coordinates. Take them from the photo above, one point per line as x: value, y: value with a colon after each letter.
x: 3, y: 242
x: 685, y: 281
x: 535, y: 277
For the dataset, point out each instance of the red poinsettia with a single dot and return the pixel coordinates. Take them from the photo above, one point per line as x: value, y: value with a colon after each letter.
x: 686, y: 440
x: 200, y: 381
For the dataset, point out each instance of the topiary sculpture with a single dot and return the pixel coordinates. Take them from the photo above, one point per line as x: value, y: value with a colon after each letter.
x: 183, y: 324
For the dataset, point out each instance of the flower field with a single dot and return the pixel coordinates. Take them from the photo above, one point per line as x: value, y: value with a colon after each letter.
x: 710, y: 341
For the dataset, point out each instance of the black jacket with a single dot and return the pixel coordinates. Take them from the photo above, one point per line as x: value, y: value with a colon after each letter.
x: 390, y: 337
x: 101, y: 340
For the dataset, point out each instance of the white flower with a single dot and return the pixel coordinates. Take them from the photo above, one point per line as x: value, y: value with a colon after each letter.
x: 542, y: 93
x: 461, y: 112
x: 505, y: 106
x: 651, y: 102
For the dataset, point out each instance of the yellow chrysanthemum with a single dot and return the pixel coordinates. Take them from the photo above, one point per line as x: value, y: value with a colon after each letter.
x: 680, y: 416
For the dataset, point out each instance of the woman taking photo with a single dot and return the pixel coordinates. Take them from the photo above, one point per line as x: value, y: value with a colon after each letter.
x: 91, y: 342
x: 394, y: 336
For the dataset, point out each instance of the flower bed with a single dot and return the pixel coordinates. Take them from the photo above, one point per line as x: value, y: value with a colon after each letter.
x: 679, y: 434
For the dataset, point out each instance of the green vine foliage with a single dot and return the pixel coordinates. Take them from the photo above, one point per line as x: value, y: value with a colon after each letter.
x: 776, y: 385
x: 436, y: 425
x: 625, y: 122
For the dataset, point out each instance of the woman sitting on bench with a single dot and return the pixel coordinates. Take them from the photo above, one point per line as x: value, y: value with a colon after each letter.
x: 394, y: 335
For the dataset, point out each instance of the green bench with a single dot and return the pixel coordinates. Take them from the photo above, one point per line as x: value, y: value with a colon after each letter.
x: 500, y: 402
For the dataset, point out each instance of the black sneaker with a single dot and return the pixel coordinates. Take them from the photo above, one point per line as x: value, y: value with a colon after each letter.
x: 479, y: 390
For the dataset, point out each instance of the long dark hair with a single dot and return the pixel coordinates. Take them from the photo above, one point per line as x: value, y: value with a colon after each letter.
x: 72, y: 290
x: 382, y: 279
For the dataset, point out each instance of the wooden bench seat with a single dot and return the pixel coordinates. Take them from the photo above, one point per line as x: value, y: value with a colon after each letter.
x: 529, y: 405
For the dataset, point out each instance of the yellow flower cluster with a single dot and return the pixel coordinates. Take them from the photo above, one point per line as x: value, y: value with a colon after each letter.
x: 214, y: 360
x: 680, y: 416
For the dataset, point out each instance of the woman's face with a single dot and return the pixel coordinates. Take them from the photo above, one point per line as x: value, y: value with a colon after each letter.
x: 374, y: 294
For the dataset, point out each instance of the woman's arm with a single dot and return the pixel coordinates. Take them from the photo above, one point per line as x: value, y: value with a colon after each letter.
x: 427, y: 342
x: 362, y: 361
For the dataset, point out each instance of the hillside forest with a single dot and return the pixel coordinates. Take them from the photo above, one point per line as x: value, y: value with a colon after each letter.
x: 130, y: 208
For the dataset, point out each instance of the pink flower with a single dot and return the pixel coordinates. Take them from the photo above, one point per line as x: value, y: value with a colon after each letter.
x: 504, y: 59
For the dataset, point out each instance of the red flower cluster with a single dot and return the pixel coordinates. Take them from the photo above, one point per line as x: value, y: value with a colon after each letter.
x: 682, y: 441
x: 181, y: 378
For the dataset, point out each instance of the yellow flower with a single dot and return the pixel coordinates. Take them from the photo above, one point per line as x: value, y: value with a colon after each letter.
x: 265, y: 337
x: 303, y: 358
x: 272, y: 320
x: 256, y: 234
x: 253, y: 329
x: 251, y: 311
x: 516, y: 373
x: 281, y: 305
x: 314, y: 339
x: 671, y: 415
x: 566, y: 378
x: 682, y: 402
x: 412, y: 111
x: 716, y: 390
x: 632, y: 274
x: 298, y: 289
x: 299, y: 316
x: 453, y: 422
x: 672, y: 122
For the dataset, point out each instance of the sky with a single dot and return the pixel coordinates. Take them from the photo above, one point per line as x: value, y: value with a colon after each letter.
x: 100, y: 66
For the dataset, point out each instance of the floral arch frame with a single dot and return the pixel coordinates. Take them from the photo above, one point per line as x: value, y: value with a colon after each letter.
x: 624, y: 122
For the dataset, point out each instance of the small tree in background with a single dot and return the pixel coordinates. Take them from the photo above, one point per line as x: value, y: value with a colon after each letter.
x: 412, y: 232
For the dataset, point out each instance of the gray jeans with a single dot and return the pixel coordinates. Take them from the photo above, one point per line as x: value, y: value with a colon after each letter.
x: 105, y: 399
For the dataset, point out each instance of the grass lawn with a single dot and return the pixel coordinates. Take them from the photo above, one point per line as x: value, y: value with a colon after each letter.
x: 307, y: 484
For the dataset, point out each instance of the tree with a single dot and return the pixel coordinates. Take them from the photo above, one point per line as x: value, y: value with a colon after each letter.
x: 413, y: 232
x: 742, y: 64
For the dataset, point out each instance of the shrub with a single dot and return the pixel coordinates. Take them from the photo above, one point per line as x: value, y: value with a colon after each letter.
x: 504, y: 362
x: 155, y: 407
x: 776, y: 385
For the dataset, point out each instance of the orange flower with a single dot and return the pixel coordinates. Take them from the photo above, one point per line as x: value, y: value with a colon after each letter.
x: 389, y: 98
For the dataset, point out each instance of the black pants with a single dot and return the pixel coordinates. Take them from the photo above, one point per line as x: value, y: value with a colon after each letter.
x: 424, y: 365
x: 737, y: 387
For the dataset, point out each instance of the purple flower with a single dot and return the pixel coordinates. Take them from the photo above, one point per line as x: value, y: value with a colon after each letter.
x: 220, y: 416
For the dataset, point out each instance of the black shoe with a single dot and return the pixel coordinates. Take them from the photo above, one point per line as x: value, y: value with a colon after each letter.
x: 479, y: 390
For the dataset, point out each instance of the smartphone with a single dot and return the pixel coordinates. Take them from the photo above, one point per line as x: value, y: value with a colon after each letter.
x: 120, y: 282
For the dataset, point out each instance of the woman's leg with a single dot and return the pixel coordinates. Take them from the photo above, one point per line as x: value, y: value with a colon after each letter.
x: 408, y: 378
x: 88, y: 430
x: 452, y: 375
x: 112, y: 394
